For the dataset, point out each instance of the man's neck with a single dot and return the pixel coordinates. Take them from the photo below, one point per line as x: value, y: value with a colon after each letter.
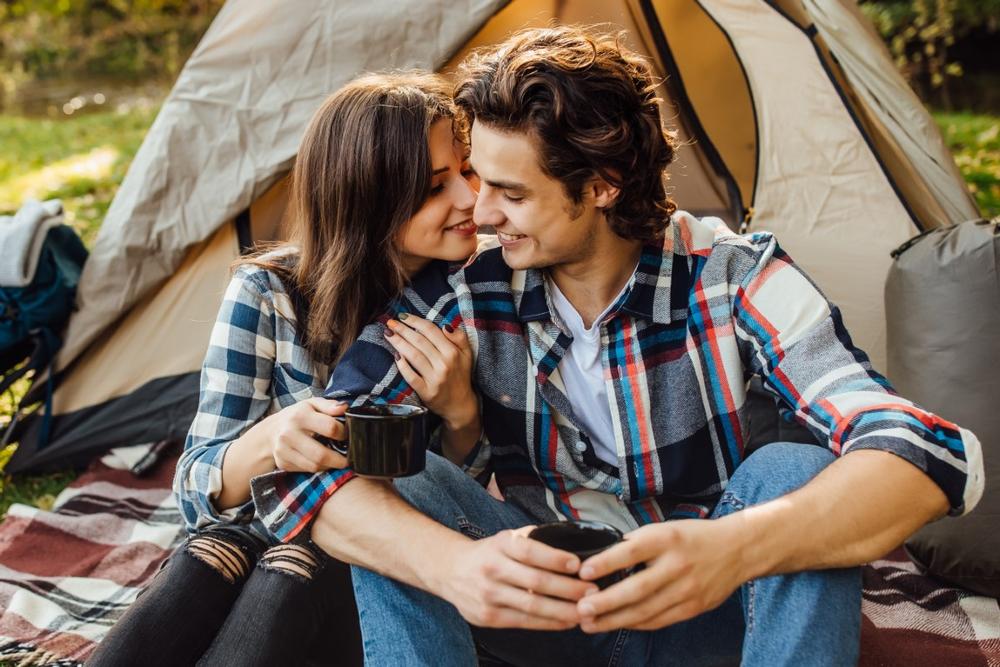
x: 593, y: 282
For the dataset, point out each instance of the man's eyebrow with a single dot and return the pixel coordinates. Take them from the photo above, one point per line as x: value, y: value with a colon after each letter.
x: 506, y: 185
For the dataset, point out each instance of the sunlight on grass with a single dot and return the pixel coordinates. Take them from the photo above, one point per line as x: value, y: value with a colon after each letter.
x: 79, y: 172
x: 974, y: 140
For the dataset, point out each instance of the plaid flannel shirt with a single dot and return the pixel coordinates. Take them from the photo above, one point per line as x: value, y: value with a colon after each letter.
x: 255, y: 366
x: 704, y: 312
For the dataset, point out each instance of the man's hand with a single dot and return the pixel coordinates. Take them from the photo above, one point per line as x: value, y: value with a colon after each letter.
x: 511, y: 581
x: 691, y: 566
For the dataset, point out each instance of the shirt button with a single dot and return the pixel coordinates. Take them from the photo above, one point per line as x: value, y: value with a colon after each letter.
x: 581, y: 446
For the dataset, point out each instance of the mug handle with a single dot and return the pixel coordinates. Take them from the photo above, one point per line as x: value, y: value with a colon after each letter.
x: 339, y: 446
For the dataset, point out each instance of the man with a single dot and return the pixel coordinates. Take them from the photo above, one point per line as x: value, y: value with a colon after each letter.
x: 614, y: 338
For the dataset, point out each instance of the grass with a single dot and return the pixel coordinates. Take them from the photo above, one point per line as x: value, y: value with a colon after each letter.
x: 975, y: 142
x: 83, y: 159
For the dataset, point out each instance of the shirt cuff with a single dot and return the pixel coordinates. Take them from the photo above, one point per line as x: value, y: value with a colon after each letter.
x: 287, y: 502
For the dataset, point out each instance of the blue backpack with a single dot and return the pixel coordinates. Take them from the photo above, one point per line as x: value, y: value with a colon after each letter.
x: 32, y: 318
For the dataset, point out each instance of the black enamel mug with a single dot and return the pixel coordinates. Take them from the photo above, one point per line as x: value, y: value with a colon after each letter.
x: 583, y: 538
x: 385, y: 441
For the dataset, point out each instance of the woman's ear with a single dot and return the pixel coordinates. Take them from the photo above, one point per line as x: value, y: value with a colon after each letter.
x: 605, y: 194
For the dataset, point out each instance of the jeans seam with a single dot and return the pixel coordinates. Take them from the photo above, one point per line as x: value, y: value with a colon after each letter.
x: 470, y: 529
x: 619, y: 647
x: 750, y: 605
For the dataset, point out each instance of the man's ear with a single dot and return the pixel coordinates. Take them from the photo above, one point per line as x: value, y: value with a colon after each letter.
x: 605, y: 194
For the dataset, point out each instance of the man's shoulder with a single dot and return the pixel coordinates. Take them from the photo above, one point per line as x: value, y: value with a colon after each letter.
x: 486, y: 265
x: 722, y: 250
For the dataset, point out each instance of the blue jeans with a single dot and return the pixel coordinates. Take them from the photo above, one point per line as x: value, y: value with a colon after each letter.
x: 809, y: 618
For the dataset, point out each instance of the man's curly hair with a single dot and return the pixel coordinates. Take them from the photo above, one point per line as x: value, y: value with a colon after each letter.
x: 591, y: 106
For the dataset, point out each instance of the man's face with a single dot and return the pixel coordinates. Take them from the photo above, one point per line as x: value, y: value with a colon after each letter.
x: 537, y: 223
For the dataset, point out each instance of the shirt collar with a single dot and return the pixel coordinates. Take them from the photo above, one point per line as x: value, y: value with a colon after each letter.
x: 649, y: 296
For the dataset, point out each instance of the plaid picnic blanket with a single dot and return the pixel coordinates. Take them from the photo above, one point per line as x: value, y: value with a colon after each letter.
x: 67, y: 575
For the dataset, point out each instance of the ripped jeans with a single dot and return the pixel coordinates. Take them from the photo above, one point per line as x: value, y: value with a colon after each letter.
x: 807, y: 618
x: 225, y: 598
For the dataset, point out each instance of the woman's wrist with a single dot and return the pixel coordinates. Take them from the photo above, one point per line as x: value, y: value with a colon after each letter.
x: 465, y: 418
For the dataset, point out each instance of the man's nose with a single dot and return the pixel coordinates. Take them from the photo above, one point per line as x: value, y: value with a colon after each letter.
x: 486, y: 214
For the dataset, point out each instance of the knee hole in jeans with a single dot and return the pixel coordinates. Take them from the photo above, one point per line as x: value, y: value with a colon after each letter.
x: 291, y: 559
x: 225, y: 558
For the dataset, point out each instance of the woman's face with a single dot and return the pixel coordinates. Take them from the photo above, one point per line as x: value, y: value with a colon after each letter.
x: 443, y: 227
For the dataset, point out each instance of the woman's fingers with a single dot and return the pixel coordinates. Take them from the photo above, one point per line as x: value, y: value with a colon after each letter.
x: 327, y: 406
x: 411, y: 376
x: 403, y: 344
x: 417, y: 339
x: 434, y: 336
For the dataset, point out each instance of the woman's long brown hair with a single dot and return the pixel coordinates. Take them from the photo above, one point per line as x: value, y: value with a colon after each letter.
x: 363, y: 170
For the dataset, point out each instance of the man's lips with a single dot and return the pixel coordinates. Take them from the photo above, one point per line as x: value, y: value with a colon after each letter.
x: 509, y: 239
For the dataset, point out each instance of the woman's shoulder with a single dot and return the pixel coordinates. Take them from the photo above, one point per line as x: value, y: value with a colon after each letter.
x: 258, y: 280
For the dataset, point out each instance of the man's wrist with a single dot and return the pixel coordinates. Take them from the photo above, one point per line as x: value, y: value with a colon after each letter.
x: 756, y: 554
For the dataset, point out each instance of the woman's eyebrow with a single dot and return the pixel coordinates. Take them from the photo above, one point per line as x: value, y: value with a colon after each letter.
x: 440, y: 170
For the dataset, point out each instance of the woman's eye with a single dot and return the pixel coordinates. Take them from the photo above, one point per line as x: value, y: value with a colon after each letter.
x: 437, y: 189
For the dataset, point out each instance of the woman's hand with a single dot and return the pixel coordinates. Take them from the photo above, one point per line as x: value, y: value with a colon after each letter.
x: 291, y: 435
x: 437, y: 363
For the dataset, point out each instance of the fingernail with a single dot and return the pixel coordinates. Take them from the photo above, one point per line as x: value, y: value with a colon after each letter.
x: 570, y: 565
x: 449, y: 328
x: 586, y: 572
x: 388, y: 333
x: 403, y: 316
x: 586, y: 609
x: 591, y: 591
x: 395, y: 355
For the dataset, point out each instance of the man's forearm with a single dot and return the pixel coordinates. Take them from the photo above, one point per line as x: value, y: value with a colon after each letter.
x: 367, y: 523
x: 859, y: 508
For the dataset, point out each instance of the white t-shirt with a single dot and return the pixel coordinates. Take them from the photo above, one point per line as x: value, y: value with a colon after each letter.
x: 583, y: 374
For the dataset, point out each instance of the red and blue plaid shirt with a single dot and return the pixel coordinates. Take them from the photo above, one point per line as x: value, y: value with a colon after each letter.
x: 704, y: 312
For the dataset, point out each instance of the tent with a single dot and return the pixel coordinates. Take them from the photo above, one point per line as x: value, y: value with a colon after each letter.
x: 792, y: 116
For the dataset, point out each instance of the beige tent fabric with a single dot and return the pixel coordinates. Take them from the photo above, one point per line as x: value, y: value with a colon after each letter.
x: 939, y: 195
x: 820, y: 189
x: 166, y: 333
x: 716, y: 88
x: 232, y: 125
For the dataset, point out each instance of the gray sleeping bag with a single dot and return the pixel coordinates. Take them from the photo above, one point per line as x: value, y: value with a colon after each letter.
x: 942, y: 304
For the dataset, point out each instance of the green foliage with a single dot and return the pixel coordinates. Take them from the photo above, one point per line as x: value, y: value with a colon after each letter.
x: 30, y: 146
x: 920, y: 33
x: 73, y: 39
x: 975, y: 142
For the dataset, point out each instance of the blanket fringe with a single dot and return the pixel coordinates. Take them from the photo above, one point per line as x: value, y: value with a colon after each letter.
x: 28, y: 655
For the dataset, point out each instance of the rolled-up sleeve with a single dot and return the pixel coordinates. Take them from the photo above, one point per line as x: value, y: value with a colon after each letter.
x: 797, y: 342
x: 234, y: 394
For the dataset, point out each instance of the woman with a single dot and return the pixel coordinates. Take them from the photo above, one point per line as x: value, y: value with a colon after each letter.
x: 380, y: 189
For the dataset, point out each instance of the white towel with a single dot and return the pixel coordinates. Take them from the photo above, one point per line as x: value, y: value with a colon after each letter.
x: 21, y: 239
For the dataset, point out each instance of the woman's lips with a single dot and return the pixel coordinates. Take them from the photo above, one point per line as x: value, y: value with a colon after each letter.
x: 467, y: 228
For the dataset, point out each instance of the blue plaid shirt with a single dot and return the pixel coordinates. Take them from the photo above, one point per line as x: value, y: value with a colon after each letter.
x: 255, y: 366
x: 704, y: 312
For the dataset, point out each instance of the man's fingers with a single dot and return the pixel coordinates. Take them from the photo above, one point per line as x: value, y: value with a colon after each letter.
x: 639, y: 612
x: 520, y: 547
x: 543, y: 582
x: 503, y: 617
x: 623, y: 555
x: 534, y: 604
x: 629, y: 594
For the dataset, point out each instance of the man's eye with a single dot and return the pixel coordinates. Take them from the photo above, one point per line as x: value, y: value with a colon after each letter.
x: 512, y: 198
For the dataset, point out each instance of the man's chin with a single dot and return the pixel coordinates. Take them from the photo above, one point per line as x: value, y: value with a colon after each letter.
x: 519, y: 261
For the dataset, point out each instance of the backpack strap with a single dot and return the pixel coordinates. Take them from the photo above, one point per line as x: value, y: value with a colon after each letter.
x: 41, y: 360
